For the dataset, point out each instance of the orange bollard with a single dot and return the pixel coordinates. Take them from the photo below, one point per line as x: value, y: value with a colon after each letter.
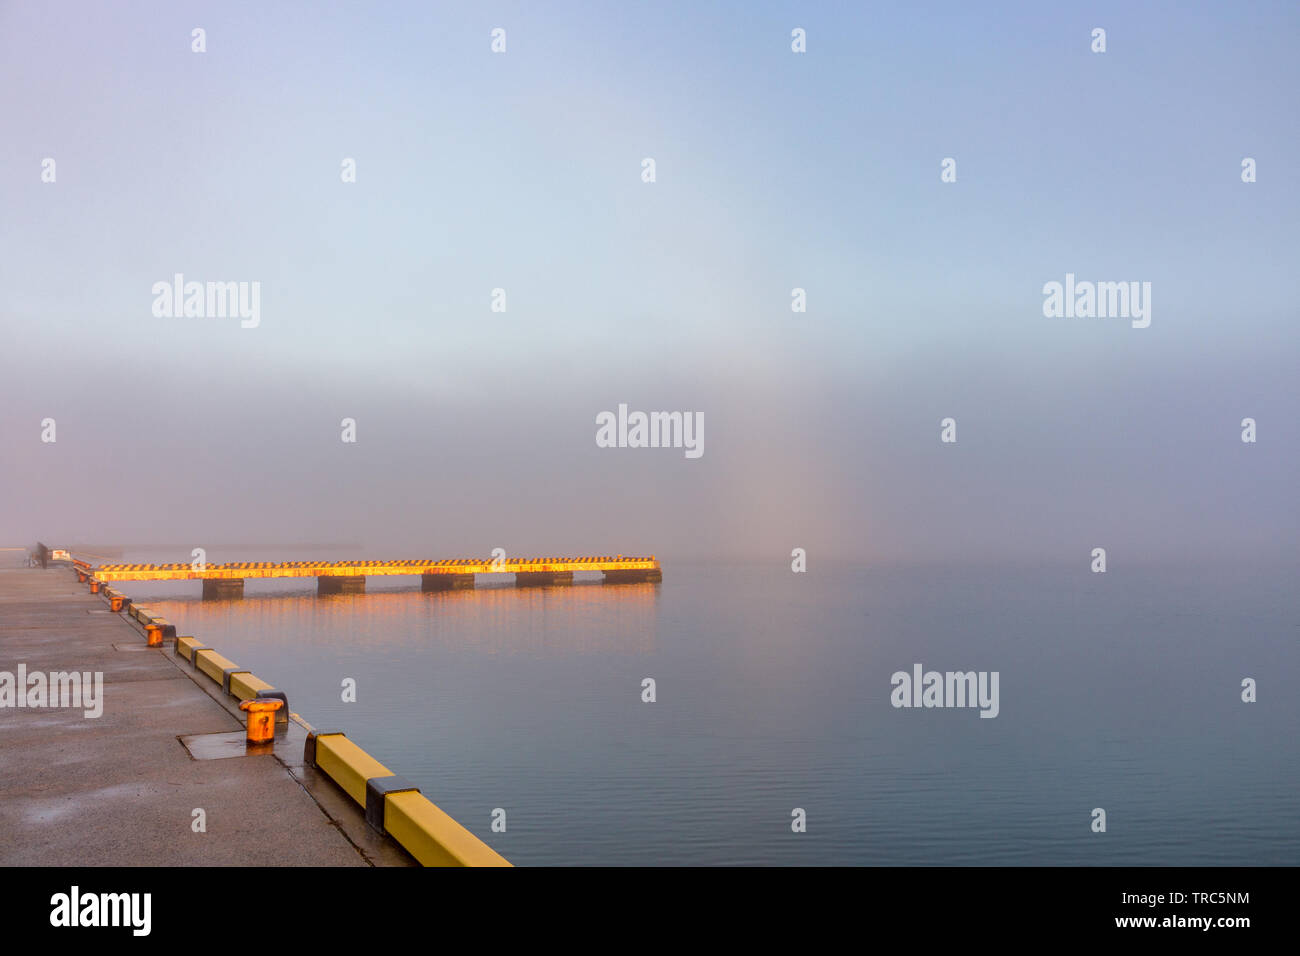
x: 115, y: 602
x: 154, y: 632
x: 94, y: 586
x: 81, y: 576
x: 261, y: 718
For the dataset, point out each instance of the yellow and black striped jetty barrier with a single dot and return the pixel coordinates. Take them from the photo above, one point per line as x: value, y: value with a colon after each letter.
x: 349, y: 577
x: 392, y: 804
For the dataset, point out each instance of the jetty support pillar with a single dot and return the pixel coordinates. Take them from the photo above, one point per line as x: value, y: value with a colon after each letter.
x: 446, y: 582
x: 217, y: 589
x: 341, y: 584
x: 634, y: 576
x: 542, y: 579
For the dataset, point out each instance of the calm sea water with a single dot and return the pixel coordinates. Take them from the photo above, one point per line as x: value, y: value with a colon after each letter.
x: 1117, y: 690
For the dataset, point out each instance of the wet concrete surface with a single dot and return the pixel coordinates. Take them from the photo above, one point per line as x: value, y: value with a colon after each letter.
x: 121, y: 788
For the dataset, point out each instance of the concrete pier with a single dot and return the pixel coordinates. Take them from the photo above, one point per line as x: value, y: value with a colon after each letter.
x: 542, y: 579
x: 341, y: 584
x: 638, y: 576
x: 446, y: 582
x: 222, y: 589
x: 122, y: 789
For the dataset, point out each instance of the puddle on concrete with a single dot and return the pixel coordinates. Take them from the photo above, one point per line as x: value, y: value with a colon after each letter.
x: 220, y: 746
x: 134, y: 647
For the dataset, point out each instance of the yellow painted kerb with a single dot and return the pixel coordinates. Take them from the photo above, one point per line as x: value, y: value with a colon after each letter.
x: 212, y: 664
x: 348, y: 765
x: 432, y: 837
x: 246, y: 687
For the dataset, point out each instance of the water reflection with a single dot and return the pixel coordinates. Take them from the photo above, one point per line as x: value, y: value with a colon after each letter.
x: 583, y: 618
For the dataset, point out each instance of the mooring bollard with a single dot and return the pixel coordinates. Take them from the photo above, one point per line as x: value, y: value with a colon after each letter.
x: 94, y: 586
x: 155, y: 633
x: 261, y: 718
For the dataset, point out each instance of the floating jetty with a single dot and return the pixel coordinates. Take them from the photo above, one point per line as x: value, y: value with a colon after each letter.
x: 349, y: 577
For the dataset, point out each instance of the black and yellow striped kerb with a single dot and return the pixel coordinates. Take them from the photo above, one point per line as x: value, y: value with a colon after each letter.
x: 362, y: 568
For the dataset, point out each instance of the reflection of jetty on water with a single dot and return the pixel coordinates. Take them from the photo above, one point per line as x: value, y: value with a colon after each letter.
x: 545, y: 622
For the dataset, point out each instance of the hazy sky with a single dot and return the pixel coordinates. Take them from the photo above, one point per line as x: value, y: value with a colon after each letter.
x: 774, y: 170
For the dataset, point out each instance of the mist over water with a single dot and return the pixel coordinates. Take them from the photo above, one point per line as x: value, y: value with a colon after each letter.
x: 521, y: 171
